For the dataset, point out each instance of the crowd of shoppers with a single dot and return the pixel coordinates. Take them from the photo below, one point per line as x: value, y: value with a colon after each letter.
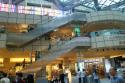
x: 83, y: 77
x: 19, y: 78
x: 63, y: 76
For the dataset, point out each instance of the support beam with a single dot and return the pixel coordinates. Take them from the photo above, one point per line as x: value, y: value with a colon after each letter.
x: 114, y: 5
x: 96, y: 4
x: 87, y: 6
x: 65, y: 7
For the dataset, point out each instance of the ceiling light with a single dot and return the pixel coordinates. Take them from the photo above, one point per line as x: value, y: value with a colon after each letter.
x: 21, y: 59
x: 56, y: 30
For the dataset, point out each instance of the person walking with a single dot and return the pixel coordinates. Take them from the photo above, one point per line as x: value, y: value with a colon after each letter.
x: 69, y: 76
x: 30, y: 78
x: 19, y: 78
x: 62, y: 76
x: 96, y: 77
x: 114, y: 77
x: 83, y: 76
x: 79, y: 76
x: 5, y: 79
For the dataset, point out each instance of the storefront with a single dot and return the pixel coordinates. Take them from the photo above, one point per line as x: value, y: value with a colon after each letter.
x: 89, y: 63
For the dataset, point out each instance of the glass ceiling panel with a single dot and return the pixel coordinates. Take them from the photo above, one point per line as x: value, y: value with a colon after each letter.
x: 89, y: 3
x: 103, y: 3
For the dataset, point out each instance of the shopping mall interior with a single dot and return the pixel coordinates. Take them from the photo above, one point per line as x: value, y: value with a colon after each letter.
x: 45, y: 37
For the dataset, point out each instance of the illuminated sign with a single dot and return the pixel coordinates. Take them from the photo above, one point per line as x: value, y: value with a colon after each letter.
x: 12, y: 8
x: 29, y: 10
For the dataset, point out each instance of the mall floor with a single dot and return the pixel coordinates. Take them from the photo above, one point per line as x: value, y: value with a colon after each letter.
x: 75, y: 80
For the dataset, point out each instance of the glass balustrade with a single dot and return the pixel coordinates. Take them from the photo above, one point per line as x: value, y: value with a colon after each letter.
x: 67, y: 45
x: 66, y: 48
x: 62, y: 43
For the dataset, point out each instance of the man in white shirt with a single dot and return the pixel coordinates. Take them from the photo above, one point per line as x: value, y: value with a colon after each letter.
x: 5, y: 79
x: 79, y: 76
x: 96, y: 77
x: 83, y: 76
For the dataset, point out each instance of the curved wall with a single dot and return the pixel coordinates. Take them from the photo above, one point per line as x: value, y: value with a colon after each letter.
x: 108, y: 38
x: 105, y: 15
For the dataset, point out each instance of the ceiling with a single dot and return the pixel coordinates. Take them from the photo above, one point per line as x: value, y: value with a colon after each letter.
x: 91, y: 4
x: 95, y: 5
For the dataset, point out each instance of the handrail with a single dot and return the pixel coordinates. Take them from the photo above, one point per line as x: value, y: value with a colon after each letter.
x: 68, y: 44
x: 65, y: 49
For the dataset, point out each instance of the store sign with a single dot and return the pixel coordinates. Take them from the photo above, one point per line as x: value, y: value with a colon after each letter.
x: 93, y: 60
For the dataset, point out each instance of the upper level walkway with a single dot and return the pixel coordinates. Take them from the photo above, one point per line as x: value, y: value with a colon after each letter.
x: 116, y: 18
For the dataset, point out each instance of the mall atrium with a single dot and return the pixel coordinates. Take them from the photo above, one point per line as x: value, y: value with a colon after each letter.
x: 40, y: 37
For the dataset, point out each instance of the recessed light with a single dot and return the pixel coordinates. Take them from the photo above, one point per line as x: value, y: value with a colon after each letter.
x: 56, y: 30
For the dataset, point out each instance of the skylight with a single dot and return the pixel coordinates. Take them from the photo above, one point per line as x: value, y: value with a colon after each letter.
x: 90, y: 3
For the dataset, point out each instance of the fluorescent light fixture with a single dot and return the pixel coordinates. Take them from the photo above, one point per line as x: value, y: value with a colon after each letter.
x: 1, y: 60
x: 21, y: 59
